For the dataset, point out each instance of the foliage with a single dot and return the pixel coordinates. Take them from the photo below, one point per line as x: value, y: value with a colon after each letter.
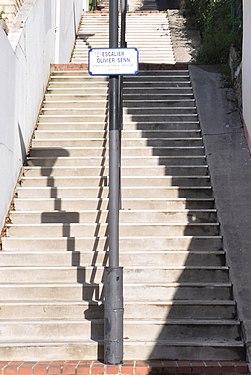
x: 2, y: 15
x: 220, y: 25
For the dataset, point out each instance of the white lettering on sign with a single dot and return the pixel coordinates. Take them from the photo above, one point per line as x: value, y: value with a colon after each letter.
x: 113, y: 61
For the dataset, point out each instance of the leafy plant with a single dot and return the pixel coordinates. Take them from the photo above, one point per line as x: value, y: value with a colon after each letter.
x: 2, y: 15
x: 220, y: 26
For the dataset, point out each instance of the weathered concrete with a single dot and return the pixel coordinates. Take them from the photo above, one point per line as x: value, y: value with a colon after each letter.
x: 230, y: 165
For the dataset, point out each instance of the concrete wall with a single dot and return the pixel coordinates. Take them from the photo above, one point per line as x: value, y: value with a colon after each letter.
x: 8, y: 134
x: 246, y: 69
x: 26, y: 55
x: 67, y: 18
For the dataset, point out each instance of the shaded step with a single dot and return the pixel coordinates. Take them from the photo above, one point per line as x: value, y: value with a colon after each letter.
x: 85, y: 275
x: 97, y: 229
x: 128, y: 161
x: 149, y: 291
x: 173, y: 329
x: 132, y: 125
x: 145, y: 216
x: 141, y: 142
x: 205, y: 350
x: 95, y: 258
x: 192, y: 243
x: 102, y: 204
x: 127, y: 134
x: 57, y: 171
x: 133, y: 310
x: 128, y: 151
x: 128, y: 181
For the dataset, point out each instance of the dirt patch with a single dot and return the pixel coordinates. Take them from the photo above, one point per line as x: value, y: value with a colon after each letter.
x: 185, y: 38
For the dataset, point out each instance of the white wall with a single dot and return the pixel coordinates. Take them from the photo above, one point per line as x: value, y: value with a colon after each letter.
x: 25, y: 58
x: 246, y: 66
x: 67, y: 15
x: 8, y: 134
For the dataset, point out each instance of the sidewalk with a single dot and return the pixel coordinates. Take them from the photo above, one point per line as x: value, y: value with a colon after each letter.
x: 128, y: 368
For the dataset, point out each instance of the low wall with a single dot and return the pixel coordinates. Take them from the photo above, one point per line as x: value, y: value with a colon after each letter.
x: 246, y: 75
x: 35, y: 40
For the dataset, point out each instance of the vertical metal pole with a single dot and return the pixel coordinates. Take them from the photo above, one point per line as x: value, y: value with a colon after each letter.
x: 113, y: 278
x: 123, y: 44
x: 123, y: 5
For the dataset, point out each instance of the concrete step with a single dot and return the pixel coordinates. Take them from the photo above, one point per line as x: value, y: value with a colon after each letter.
x: 91, y: 258
x: 160, y: 170
x: 173, y: 182
x: 147, y: 329
x: 174, y: 91
x: 71, y: 103
x: 103, y: 96
x: 127, y: 134
x: 126, y: 229
x: 104, y: 161
x: 172, y: 76
x: 150, y: 291
x: 142, y: 39
x: 172, y: 204
x: 187, y: 117
x: 139, y: 216
x: 141, y: 142
x: 153, y: 73
x: 56, y: 151
x: 182, y: 243
x: 205, y: 350
x: 129, y: 105
x: 77, y: 204
x: 131, y: 274
x: 131, y: 125
x: 145, y: 52
x: 75, y: 310
x: 133, y: 85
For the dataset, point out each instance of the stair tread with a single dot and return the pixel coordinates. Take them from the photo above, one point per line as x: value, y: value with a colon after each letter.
x: 194, y: 342
x: 80, y: 285
x: 131, y: 267
x: 99, y: 303
x: 142, y: 321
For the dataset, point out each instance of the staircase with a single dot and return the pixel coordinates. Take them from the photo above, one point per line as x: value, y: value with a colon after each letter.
x: 133, y: 5
x: 154, y: 42
x: 177, y: 292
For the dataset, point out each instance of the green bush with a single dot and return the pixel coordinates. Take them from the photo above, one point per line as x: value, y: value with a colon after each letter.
x: 220, y: 26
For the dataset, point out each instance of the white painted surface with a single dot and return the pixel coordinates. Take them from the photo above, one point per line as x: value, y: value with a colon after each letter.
x: 68, y: 17
x: 246, y: 64
x: 86, y: 5
x: 26, y: 55
x: 113, y: 61
x: 8, y: 133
